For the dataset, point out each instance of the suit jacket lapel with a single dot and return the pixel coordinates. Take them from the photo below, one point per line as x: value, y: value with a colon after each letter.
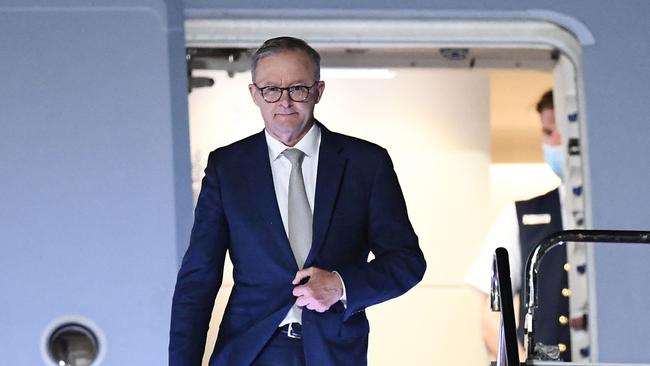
x: 331, y: 165
x: 267, y: 203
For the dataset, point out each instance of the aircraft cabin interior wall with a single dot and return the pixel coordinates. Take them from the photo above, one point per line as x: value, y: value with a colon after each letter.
x: 463, y: 142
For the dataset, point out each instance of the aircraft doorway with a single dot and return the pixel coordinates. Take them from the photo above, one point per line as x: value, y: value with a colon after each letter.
x: 442, y: 113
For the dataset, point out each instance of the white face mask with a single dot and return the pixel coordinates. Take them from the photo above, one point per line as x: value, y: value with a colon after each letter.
x: 554, y: 157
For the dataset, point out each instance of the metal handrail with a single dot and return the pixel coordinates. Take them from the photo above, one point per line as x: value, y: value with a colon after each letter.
x: 501, y: 300
x: 562, y: 237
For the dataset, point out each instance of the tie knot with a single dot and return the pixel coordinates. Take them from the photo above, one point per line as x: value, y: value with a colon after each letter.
x: 295, y: 156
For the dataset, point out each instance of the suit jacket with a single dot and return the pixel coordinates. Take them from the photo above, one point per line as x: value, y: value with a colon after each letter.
x: 358, y: 208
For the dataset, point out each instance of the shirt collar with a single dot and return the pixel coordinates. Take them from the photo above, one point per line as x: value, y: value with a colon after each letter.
x: 308, y: 144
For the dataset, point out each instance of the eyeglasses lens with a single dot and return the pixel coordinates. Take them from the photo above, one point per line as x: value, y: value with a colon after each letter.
x: 298, y: 93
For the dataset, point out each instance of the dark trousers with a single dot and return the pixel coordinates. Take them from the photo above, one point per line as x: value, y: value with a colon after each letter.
x: 281, y: 351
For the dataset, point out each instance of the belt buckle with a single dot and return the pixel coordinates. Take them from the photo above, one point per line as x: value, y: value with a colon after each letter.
x: 291, y: 333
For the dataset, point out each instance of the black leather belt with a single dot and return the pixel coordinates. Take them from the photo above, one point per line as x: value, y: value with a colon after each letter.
x: 291, y: 330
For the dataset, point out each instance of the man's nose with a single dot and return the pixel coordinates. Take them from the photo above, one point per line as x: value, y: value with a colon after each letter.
x: 284, y: 100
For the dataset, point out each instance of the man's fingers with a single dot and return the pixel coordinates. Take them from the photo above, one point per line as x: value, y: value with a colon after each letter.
x: 302, y: 301
x: 303, y: 273
x: 311, y: 304
x: 301, y: 291
x: 317, y: 307
x: 312, y: 290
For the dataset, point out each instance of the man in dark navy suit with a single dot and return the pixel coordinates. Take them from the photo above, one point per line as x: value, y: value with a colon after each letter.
x: 298, y: 208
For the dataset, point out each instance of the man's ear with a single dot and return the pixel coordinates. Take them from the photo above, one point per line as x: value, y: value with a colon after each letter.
x: 320, y: 88
x: 252, y: 89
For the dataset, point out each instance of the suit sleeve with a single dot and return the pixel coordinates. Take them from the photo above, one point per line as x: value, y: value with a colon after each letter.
x: 200, y: 275
x: 399, y: 263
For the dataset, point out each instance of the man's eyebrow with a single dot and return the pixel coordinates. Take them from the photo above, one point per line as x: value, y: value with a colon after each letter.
x: 265, y: 84
x: 270, y: 83
x: 299, y: 83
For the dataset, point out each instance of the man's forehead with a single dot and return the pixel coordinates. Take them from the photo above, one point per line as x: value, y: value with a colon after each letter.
x: 292, y: 65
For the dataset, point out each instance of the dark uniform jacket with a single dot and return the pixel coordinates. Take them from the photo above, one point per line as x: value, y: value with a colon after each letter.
x: 552, y: 276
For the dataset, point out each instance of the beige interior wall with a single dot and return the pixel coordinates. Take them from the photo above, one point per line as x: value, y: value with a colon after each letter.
x: 436, y: 126
x: 518, y: 170
x: 516, y: 133
x: 432, y: 122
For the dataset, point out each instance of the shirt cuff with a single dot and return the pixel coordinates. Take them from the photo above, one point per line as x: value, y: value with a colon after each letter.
x: 343, y: 298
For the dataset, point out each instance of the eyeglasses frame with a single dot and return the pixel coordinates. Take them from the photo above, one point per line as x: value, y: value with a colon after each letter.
x: 288, y: 89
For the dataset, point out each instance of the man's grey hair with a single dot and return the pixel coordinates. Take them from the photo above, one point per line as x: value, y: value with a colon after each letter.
x: 278, y: 45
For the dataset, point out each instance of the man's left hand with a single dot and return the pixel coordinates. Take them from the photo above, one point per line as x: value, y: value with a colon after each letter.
x: 322, y: 290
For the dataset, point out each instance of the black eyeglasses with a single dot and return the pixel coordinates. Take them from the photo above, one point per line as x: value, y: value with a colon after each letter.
x: 297, y: 93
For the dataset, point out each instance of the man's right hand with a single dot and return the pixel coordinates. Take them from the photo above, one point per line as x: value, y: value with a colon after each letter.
x: 322, y: 289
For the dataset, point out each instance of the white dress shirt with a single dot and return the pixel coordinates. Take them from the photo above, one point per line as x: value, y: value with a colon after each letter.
x: 281, y: 169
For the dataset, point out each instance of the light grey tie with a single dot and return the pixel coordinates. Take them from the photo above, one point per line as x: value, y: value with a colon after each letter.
x: 299, y: 214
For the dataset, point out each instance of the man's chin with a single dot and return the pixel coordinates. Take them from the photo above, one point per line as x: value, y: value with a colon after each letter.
x: 288, y: 122
x: 290, y: 127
